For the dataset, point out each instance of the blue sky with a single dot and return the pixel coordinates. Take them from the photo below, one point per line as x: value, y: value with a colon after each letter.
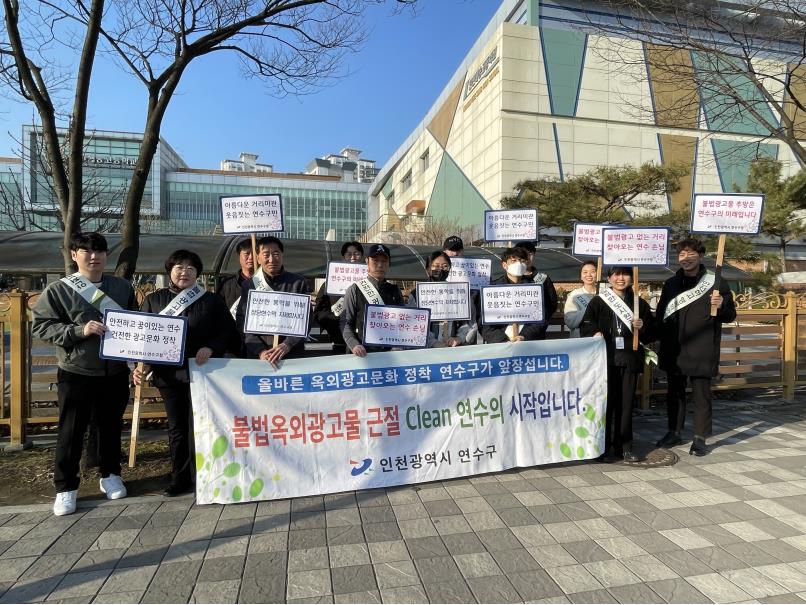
x: 393, y: 81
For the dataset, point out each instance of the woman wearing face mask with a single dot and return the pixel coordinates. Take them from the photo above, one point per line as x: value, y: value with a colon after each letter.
x: 209, y: 329
x: 610, y: 315
x: 578, y: 300
x: 515, y: 262
x: 441, y: 333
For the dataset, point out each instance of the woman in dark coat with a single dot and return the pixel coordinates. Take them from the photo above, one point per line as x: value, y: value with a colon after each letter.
x: 209, y: 330
x: 623, y: 364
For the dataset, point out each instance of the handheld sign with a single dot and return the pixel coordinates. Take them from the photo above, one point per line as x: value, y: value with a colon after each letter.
x: 475, y: 271
x: 588, y: 242
x: 400, y: 327
x: 252, y: 213
x: 509, y: 225
x: 446, y: 300
x: 341, y: 276
x: 726, y: 213
x: 146, y: 337
x: 277, y: 313
x: 516, y: 303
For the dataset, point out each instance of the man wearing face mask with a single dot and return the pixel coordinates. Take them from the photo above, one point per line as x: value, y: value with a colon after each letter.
x: 442, y: 333
x: 515, y: 264
x: 534, y: 276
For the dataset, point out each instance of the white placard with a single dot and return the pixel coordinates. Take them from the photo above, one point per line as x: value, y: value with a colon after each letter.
x: 445, y: 300
x: 730, y: 213
x: 252, y: 213
x: 281, y: 313
x: 587, y: 240
x: 403, y: 327
x: 517, y: 303
x: 147, y: 337
x: 475, y: 271
x: 510, y: 225
x: 638, y: 246
x: 341, y: 276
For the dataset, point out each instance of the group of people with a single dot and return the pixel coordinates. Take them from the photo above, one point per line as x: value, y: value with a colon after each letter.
x: 69, y: 314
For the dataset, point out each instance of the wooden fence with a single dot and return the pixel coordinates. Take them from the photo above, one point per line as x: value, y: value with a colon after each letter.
x: 764, y: 347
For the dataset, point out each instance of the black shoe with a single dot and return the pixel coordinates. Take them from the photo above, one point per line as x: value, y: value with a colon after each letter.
x: 630, y: 457
x: 670, y: 439
x: 177, y: 489
x: 698, y: 447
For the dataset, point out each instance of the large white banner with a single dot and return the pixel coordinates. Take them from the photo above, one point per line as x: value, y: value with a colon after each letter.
x: 393, y: 418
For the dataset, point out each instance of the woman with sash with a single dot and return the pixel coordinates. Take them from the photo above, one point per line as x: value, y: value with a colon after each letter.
x: 610, y: 316
x: 577, y: 300
x: 209, y: 330
x: 442, y: 333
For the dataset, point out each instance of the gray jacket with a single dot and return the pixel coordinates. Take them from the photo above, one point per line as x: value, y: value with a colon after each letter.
x: 59, y: 317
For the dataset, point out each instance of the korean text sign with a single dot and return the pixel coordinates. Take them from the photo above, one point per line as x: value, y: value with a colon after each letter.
x: 389, y: 326
x: 475, y: 271
x: 506, y: 225
x: 639, y: 246
x: 147, y: 337
x: 341, y: 276
x: 445, y: 300
x: 393, y: 418
x: 517, y: 303
x: 730, y: 213
x: 587, y: 240
x: 252, y: 213
x: 281, y: 313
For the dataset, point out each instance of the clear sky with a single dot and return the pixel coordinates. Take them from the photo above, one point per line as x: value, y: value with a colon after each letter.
x: 392, y: 82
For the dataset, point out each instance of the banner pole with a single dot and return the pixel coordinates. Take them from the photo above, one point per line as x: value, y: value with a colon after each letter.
x: 720, y: 256
x: 138, y: 391
x: 635, y: 312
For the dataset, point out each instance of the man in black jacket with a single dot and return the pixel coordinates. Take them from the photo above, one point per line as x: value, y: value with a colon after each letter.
x: 690, y: 341
x: 323, y: 310
x: 230, y: 290
x: 535, y: 276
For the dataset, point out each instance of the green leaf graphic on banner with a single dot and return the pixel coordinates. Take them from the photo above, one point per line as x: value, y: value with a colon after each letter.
x: 565, y: 449
x: 216, y: 491
x: 256, y: 488
x: 232, y: 469
x: 581, y: 431
x: 590, y: 413
x: 199, y: 460
x: 237, y: 493
x: 220, y: 446
x: 580, y: 452
x: 275, y: 477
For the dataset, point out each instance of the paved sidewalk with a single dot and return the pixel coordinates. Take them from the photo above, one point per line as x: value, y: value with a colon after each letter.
x: 730, y: 527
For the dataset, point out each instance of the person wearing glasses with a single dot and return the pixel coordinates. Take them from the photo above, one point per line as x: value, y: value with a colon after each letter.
x: 209, y: 331
x: 323, y: 311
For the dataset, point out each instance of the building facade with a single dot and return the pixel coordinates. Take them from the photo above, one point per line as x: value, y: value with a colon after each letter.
x: 347, y: 164
x: 178, y: 199
x: 537, y: 97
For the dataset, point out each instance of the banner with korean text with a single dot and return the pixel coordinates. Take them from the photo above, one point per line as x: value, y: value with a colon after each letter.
x: 393, y: 418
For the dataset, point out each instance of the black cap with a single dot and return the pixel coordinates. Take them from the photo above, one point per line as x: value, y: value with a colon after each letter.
x: 376, y: 249
x: 454, y: 242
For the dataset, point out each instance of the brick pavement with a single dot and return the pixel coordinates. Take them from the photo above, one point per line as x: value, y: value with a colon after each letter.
x: 730, y: 527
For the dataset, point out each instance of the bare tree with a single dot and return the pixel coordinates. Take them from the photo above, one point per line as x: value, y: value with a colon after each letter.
x: 743, y: 63
x: 295, y: 45
x: 430, y: 231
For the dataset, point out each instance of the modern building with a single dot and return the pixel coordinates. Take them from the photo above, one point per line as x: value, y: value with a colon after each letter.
x: 178, y: 199
x: 347, y: 164
x: 535, y: 97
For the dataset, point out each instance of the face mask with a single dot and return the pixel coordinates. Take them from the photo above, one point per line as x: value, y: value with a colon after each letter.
x: 516, y: 269
x: 439, y: 274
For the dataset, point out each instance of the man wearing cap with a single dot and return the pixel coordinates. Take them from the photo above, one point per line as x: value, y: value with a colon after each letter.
x: 453, y: 246
x: 534, y: 276
x: 372, y: 290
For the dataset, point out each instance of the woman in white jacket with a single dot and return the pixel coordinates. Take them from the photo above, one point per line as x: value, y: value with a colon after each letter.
x: 577, y: 300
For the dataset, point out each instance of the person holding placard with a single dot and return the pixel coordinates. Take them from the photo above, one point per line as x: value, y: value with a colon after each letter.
x: 610, y: 315
x: 690, y: 340
x: 442, y: 333
x: 209, y: 332
x: 577, y: 300
x: 515, y: 262
x: 230, y: 289
x: 271, y: 276
x: 534, y: 276
x: 326, y: 306
x: 69, y: 314
x: 372, y: 290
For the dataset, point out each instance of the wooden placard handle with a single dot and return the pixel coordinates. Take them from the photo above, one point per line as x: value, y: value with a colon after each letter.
x: 138, y: 392
x: 636, y: 308
x: 720, y: 256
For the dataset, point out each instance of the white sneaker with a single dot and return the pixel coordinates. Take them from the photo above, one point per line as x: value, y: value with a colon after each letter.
x: 113, y: 487
x: 65, y: 503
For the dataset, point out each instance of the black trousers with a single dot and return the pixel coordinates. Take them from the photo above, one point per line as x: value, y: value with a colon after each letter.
x: 103, y: 397
x: 621, y: 384
x: 180, y: 433
x: 676, y: 403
